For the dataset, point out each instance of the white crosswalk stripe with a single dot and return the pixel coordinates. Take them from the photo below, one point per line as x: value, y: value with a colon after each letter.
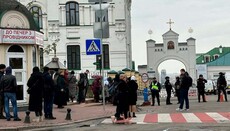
x: 219, y: 118
x: 191, y: 118
x: 164, y: 118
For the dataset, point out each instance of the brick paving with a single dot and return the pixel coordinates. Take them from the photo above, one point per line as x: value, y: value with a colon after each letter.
x: 80, y: 112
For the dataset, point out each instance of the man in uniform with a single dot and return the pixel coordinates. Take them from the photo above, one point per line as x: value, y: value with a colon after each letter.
x: 221, y: 86
x: 168, y: 87
x: 155, y: 88
x: 200, y: 86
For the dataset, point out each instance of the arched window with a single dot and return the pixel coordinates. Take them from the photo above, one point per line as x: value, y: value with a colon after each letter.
x: 72, y: 13
x: 15, y: 48
x: 170, y: 45
x: 37, y: 13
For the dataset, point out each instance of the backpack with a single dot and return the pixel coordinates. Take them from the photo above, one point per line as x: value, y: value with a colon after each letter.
x: 189, y: 81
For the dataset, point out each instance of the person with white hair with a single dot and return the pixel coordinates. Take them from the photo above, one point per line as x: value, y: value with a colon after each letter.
x: 132, y: 91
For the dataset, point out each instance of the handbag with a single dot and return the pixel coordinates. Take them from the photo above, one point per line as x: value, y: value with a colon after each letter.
x: 29, y: 89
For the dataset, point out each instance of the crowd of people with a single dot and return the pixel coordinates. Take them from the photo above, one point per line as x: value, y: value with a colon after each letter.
x: 50, y: 86
x: 182, y: 86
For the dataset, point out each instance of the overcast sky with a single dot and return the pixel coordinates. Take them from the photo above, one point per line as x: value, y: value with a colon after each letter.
x: 209, y: 19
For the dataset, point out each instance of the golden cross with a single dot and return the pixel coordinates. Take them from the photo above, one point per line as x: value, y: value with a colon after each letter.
x: 170, y: 23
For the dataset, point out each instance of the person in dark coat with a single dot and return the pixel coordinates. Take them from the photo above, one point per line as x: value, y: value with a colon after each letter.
x: 72, y: 85
x: 200, y: 86
x: 2, y: 70
x: 177, y: 89
x: 185, y: 83
x: 60, y: 94
x: 36, y: 87
x: 132, y: 90
x: 168, y: 87
x: 155, y: 88
x: 96, y: 88
x: 113, y: 89
x: 48, y: 94
x: 221, y: 86
x: 81, y: 88
x: 122, y: 98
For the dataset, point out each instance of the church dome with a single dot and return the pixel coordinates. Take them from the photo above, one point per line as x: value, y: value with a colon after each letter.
x: 13, y: 5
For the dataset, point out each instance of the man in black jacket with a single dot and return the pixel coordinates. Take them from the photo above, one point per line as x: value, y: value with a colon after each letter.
x: 168, y: 87
x: 221, y: 86
x: 200, y: 86
x: 2, y: 69
x: 48, y: 94
x: 185, y: 83
x: 9, y: 85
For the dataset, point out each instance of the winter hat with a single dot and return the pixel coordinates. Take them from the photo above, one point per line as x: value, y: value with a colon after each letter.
x: 8, y: 70
x: 2, y: 66
x: 133, y: 78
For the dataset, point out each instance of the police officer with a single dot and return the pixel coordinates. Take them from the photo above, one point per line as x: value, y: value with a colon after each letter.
x: 168, y: 87
x: 221, y: 86
x: 200, y: 86
x: 155, y: 88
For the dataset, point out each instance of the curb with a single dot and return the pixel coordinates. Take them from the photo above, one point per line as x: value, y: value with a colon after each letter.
x: 19, y: 128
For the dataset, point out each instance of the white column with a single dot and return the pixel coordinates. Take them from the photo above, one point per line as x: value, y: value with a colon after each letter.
x: 81, y: 13
x: 63, y: 15
x: 45, y: 26
x: 92, y: 15
x: 110, y: 15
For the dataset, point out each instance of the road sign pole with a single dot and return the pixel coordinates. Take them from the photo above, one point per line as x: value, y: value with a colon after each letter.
x: 102, y: 59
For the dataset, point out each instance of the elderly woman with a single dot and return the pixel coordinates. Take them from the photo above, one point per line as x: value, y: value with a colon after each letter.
x: 60, y: 93
x: 96, y: 87
x: 72, y: 85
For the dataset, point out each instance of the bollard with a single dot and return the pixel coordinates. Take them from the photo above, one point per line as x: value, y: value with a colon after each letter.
x: 27, y: 118
x: 68, y: 115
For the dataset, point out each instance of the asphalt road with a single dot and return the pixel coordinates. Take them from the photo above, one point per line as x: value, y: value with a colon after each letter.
x: 210, y: 106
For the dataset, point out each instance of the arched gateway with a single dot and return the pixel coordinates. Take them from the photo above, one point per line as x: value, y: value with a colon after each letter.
x: 171, y: 49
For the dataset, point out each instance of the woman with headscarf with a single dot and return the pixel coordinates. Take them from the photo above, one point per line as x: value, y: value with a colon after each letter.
x: 81, y: 87
x: 60, y: 95
x: 132, y: 91
x: 96, y: 87
x: 36, y: 86
x: 72, y: 85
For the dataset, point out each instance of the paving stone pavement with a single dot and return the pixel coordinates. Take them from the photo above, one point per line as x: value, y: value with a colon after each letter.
x: 80, y: 112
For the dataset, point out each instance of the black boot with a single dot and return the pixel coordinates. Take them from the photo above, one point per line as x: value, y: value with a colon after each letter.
x: 134, y: 114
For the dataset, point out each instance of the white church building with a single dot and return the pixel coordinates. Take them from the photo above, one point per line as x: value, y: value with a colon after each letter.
x: 69, y: 23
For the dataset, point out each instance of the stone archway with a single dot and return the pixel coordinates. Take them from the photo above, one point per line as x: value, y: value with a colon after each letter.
x: 181, y: 51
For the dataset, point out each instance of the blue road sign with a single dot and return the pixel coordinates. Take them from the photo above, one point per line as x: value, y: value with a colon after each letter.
x: 93, y: 47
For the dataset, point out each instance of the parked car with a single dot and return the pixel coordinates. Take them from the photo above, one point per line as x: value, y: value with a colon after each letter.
x: 210, y: 88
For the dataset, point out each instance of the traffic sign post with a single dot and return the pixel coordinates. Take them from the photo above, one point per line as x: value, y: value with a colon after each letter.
x: 145, y: 77
x: 93, y: 47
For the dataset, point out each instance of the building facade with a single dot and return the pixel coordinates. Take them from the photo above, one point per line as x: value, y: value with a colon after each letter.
x: 68, y: 23
x: 20, y: 43
x: 216, y: 60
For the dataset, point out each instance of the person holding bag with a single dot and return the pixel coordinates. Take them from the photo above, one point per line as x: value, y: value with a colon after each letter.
x: 36, y: 87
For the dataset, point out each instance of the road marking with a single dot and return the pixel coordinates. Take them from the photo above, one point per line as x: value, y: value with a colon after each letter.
x: 205, y: 118
x: 219, y: 118
x: 139, y: 119
x: 151, y: 118
x: 178, y: 118
x: 209, y: 117
x: 164, y: 118
x: 191, y: 118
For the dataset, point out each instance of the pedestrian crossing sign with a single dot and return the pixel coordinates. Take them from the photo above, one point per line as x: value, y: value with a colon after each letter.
x: 93, y: 46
